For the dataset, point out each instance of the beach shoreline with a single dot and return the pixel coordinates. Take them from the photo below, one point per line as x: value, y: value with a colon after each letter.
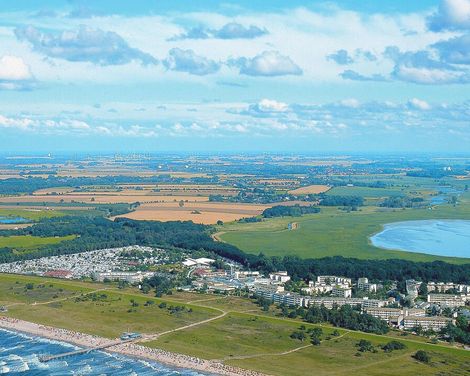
x: 133, y: 350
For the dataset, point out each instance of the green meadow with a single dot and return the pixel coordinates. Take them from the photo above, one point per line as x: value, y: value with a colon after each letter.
x: 335, y: 232
x: 28, y: 243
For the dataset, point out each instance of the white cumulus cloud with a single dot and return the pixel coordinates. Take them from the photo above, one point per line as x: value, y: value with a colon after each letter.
x: 14, y: 73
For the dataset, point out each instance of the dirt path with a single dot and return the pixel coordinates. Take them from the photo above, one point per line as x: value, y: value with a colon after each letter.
x: 216, y: 236
x: 152, y: 337
x: 273, y: 354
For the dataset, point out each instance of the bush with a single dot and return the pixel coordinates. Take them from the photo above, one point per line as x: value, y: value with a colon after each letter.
x: 393, y: 345
x: 422, y: 356
x: 365, y: 345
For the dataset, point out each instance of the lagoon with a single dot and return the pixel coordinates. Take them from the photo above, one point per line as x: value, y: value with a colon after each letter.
x: 435, y: 237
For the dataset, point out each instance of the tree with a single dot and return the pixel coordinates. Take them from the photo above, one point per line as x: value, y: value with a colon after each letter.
x: 423, y: 290
x: 422, y: 356
x: 300, y: 335
x: 315, y: 341
x: 365, y: 345
x: 181, y: 203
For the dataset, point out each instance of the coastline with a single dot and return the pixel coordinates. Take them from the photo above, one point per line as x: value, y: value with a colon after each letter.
x: 128, y: 349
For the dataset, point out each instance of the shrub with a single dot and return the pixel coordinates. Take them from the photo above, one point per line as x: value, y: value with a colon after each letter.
x: 422, y: 356
x: 393, y: 345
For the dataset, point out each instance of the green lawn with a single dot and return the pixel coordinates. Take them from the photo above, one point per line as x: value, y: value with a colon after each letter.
x: 26, y: 243
x: 335, y: 232
x: 242, y: 337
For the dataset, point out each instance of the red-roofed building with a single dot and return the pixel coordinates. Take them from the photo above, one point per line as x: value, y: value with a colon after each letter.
x: 66, y: 274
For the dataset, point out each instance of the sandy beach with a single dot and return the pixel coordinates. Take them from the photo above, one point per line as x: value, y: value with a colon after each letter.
x: 128, y: 349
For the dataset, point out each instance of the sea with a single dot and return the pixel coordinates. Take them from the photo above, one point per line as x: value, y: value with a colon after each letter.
x: 19, y: 355
x: 435, y: 237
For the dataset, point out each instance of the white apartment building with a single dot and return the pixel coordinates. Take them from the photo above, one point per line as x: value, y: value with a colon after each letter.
x: 279, y: 277
x: 330, y: 302
x: 412, y: 287
x: 341, y: 292
x: 446, y: 286
x: 447, y: 300
x: 364, y: 285
x: 333, y: 280
x: 435, y: 323
x: 384, y: 313
x: 394, y: 315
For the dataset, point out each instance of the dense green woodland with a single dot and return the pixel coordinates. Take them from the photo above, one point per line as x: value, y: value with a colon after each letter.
x: 289, y: 211
x: 97, y: 232
x: 330, y: 200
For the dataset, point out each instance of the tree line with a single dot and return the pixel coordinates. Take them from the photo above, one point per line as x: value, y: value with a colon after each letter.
x: 97, y: 233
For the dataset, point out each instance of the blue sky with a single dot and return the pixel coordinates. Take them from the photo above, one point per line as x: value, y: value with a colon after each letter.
x: 297, y: 76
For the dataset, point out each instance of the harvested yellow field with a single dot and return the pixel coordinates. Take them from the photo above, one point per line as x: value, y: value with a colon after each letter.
x: 198, y: 212
x: 310, y: 189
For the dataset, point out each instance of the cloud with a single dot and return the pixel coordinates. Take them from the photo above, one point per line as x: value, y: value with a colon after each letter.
x: 427, y: 76
x: 268, y: 63
x: 234, y: 30
x: 422, y: 67
x: 455, y: 50
x: 15, y: 74
x: 265, y: 107
x: 187, y: 61
x: 84, y: 44
x: 355, y: 76
x: 419, y: 104
x: 230, y: 30
x: 451, y: 15
x: 341, y: 57
x: 67, y: 126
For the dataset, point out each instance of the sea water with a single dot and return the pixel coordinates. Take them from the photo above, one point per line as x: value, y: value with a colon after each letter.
x: 19, y: 355
x: 435, y: 237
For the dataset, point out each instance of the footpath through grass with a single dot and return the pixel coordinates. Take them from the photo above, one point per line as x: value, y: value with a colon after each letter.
x: 245, y: 336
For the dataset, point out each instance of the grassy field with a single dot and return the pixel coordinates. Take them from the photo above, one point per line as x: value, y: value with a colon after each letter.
x: 335, y: 232
x: 244, y: 336
x: 367, y: 192
x: 264, y: 344
x: 26, y: 243
x: 30, y: 214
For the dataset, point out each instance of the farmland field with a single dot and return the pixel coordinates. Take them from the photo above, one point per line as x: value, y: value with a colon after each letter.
x: 310, y: 189
x: 198, y: 212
